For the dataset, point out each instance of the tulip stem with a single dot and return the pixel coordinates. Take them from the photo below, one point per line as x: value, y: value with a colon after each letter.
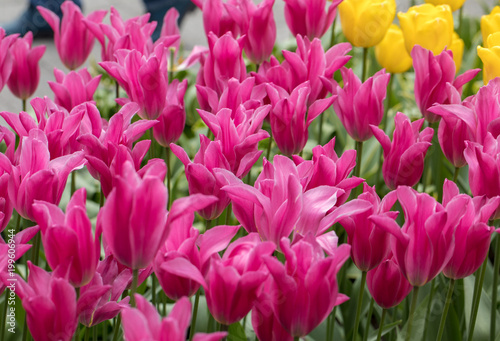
x: 152, y: 145
x: 388, y: 102
x: 429, y: 306
x: 24, y: 104
x: 18, y: 223
x: 135, y: 277
x: 359, y: 154
x: 73, y: 182
x: 228, y: 214
x: 381, y: 327
x: 455, y: 175
x: 117, y: 90
x: 268, y: 155
x: 117, y: 327
x: 36, y: 249
x: 332, y: 38
x: 446, y: 307
x: 412, y: 312
x: 478, y: 288
x: 365, y: 62
x: 368, y: 320
x: 169, y: 178
x: 460, y: 19
x: 4, y: 318
x: 195, y: 314
x: 171, y: 65
x: 360, y: 305
x: 153, y: 290
x: 496, y: 268
x: 320, y: 132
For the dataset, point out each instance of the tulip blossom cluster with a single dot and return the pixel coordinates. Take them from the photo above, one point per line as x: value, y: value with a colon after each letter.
x: 254, y: 227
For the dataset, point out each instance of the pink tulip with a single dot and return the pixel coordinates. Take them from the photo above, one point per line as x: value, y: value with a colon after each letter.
x: 98, y: 300
x: 387, y: 285
x: 25, y: 74
x: 132, y: 34
x: 239, y: 275
x: 67, y: 238
x: 472, y: 234
x: 432, y: 74
x: 200, y: 174
x: 144, y: 79
x: 308, y: 18
x: 6, y: 59
x: 425, y: 243
x: 370, y: 244
x: 74, y: 88
x: 224, y: 61
x: 360, y: 105
x: 404, y: 156
x: 305, y: 288
x: 310, y: 63
x: 50, y: 304
x: 6, y: 205
x: 173, y: 117
x: 73, y: 39
x: 37, y: 177
x: 144, y: 323
x: 291, y: 116
x: 264, y: 322
x: 133, y: 219
x: 239, y: 134
x: 327, y: 169
x: 217, y: 19
x: 258, y: 26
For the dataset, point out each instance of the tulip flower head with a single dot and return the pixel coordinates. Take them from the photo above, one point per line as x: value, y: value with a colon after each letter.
x: 365, y: 22
x: 73, y: 39
x: 6, y: 59
x: 74, y: 88
x: 391, y: 53
x: 420, y: 24
x: 309, y: 18
x: 490, y: 23
x: 25, y: 75
x: 490, y: 56
x: 454, y: 4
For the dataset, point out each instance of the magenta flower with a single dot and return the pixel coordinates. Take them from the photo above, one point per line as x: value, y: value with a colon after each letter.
x: 425, y: 243
x: 25, y: 75
x: 50, y: 304
x: 404, y: 156
x: 305, y: 288
x: 432, y: 74
x: 472, y: 234
x: 217, y: 19
x: 265, y: 323
x: 74, y: 88
x: 67, y: 238
x: 224, y: 61
x: 291, y: 116
x: 238, y: 276
x: 6, y: 205
x: 387, y: 285
x: 360, y: 105
x: 308, y: 18
x: 6, y: 59
x: 144, y: 79
x: 173, y: 117
x: 133, y: 219
x: 73, y: 39
x: 369, y: 243
x: 144, y: 323
x: 37, y: 177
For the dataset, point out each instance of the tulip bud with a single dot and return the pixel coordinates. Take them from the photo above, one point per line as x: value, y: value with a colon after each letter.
x: 490, y: 56
x: 454, y: 4
x: 365, y: 22
x: 420, y: 24
x: 490, y: 23
x: 391, y: 53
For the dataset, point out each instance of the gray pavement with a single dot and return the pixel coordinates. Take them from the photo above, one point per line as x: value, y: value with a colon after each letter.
x: 191, y: 34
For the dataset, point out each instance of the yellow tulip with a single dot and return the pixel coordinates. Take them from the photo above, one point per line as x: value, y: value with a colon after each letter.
x: 457, y: 47
x: 365, y: 22
x: 490, y: 23
x: 391, y: 52
x: 428, y: 26
x: 490, y: 56
x: 454, y: 4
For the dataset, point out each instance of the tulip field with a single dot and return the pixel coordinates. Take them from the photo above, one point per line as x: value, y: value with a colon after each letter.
x: 342, y: 185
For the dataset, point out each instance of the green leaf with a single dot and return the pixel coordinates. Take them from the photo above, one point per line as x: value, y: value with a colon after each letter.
x: 236, y: 332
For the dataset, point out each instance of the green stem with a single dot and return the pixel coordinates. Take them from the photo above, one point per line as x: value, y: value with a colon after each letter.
x: 152, y: 146
x: 24, y: 104
x: 359, y: 154
x: 360, y: 305
x: 388, y: 101
x: 455, y: 175
x: 332, y: 37
x: 228, y: 214
x: 73, y: 182
x: 101, y: 199
x: 210, y: 322
x: 446, y: 307
x: 365, y: 64
x: 171, y: 65
x: 36, y: 249
x: 320, y: 132
x: 208, y: 224
x: 332, y: 322
x: 412, y: 312
x: 18, y: 223
x: 117, y: 327
x: 94, y: 334
x: 25, y: 329
x: 381, y: 327
x: 87, y: 333
x: 460, y: 19
x: 496, y: 267
x: 268, y: 155
x: 153, y: 290
x: 195, y: 314
x: 117, y: 90
x: 4, y: 315
x: 169, y: 177
x: 429, y: 306
x: 368, y: 320
x: 478, y: 288
x: 135, y: 278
